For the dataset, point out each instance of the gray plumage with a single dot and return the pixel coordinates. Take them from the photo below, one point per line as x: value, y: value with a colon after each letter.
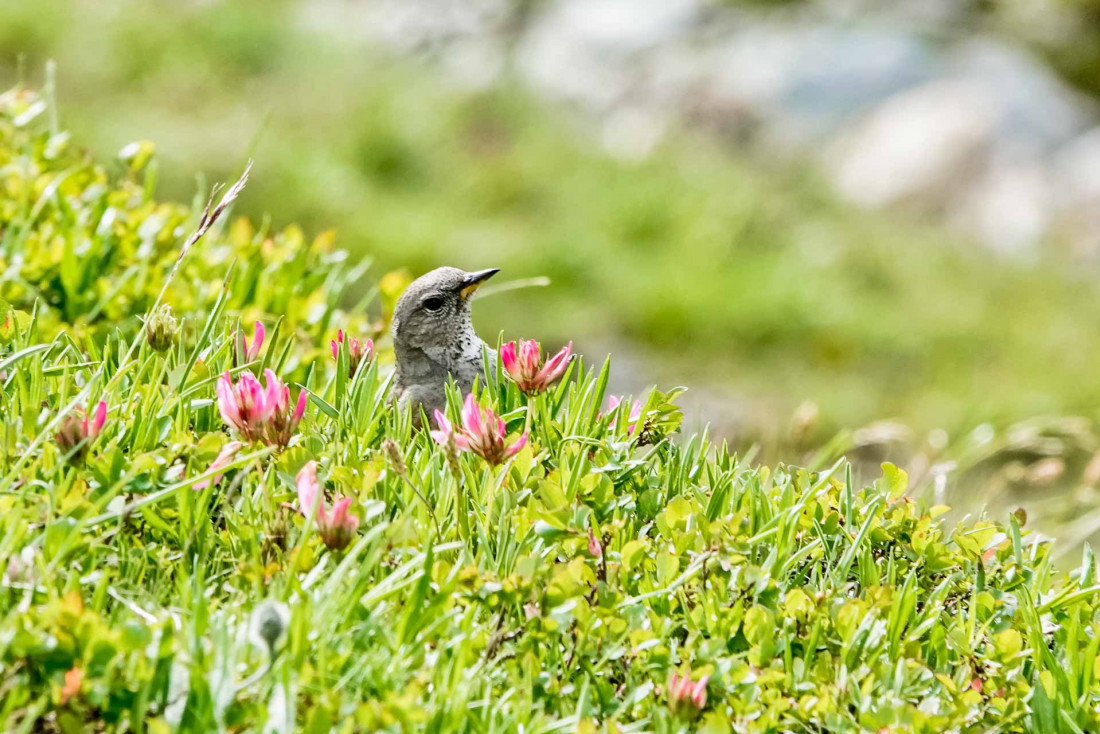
x: 434, y: 338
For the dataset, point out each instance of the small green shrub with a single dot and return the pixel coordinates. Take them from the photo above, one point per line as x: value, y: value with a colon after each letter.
x: 156, y: 579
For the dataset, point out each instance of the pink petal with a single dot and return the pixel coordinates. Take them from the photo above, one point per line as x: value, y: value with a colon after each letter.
x: 594, y: 546
x: 462, y: 442
x: 341, y: 516
x: 273, y: 381
x: 277, y: 395
x: 445, y: 430
x: 335, y: 349
x: 529, y: 356
x: 508, y: 357
x: 685, y: 687
x: 555, y: 366
x: 227, y: 401
x: 251, y: 400
x: 368, y: 349
x: 614, y: 402
x: 245, y: 383
x: 699, y: 695
x: 300, y: 408
x: 308, y: 488
x: 283, y: 400
x: 564, y: 353
x: 516, y: 447
x: 225, y: 456
x: 99, y: 419
x: 258, y: 342
x: 672, y: 685
x: 471, y: 416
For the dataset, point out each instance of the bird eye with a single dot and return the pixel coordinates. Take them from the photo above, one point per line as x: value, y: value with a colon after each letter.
x: 434, y: 303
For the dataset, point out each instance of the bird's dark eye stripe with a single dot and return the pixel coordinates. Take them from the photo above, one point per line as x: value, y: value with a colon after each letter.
x: 434, y: 303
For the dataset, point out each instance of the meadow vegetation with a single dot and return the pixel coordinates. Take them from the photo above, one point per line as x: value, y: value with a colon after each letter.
x: 187, y: 549
x: 699, y: 265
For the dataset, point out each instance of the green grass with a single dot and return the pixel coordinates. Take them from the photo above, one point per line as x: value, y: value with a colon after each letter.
x: 557, y: 592
x: 711, y: 268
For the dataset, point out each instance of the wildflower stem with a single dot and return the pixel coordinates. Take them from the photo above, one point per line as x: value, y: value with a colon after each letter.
x: 397, y: 463
x: 427, y: 505
x: 530, y: 410
x: 463, y: 510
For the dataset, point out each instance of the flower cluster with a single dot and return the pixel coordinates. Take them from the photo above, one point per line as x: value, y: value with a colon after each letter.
x: 683, y: 695
x: 358, y: 351
x: 482, y: 433
x: 525, y: 367
x: 338, y: 527
x: 259, y: 413
x: 161, y: 328
x: 77, y: 431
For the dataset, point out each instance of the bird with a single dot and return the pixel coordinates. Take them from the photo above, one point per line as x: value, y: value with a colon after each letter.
x: 434, y: 339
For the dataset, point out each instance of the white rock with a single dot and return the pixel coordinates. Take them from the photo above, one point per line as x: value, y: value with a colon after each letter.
x: 803, y: 81
x: 1009, y: 208
x: 1077, y: 171
x: 586, y: 50
x: 1036, y: 111
x: 620, y: 26
x: 632, y: 133
x: 915, y: 145
x: 474, y: 63
x: 1078, y: 168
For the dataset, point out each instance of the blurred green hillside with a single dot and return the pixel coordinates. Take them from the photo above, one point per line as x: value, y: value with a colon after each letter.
x: 737, y: 275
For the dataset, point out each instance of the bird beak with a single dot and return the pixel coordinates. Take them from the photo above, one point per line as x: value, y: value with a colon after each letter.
x: 473, y: 281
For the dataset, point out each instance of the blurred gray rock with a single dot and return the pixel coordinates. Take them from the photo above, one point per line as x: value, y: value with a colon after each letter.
x: 1077, y: 175
x: 915, y: 146
x: 1036, y: 111
x: 1078, y: 166
x: 591, y: 51
x: 1009, y: 207
x: 802, y: 81
x: 897, y: 106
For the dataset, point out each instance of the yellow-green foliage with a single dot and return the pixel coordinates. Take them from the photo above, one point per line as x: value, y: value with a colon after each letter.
x: 557, y: 592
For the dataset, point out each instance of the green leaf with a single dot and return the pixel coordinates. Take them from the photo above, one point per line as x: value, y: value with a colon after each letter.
x: 897, y: 481
x: 1008, y: 643
x: 633, y: 554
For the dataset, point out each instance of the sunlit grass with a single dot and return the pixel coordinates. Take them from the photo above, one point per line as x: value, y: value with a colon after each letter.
x: 559, y: 591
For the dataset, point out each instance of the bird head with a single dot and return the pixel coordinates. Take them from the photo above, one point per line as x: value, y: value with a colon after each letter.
x: 435, y: 309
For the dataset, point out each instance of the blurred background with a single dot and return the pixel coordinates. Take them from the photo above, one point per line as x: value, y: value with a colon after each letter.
x: 862, y: 226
